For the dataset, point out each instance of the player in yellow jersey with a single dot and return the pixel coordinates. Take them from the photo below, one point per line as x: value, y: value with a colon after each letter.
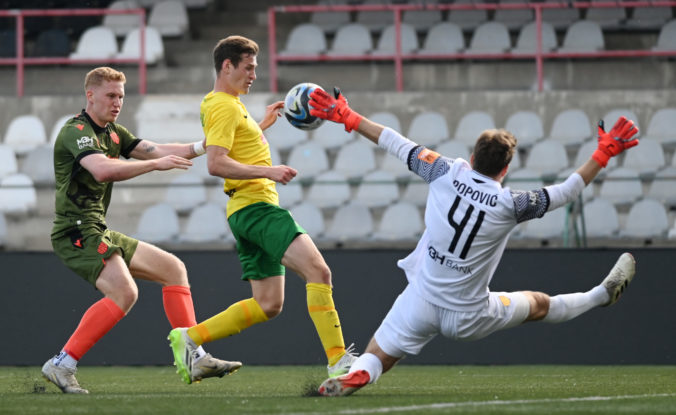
x: 268, y: 238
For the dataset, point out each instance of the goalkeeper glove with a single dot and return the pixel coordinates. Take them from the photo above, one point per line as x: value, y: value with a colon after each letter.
x: 324, y: 106
x: 616, y: 141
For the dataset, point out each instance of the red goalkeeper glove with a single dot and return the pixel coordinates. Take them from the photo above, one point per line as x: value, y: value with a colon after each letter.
x: 616, y: 141
x: 324, y: 106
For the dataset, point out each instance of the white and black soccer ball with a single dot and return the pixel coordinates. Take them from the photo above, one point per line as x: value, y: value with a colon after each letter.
x: 297, y: 107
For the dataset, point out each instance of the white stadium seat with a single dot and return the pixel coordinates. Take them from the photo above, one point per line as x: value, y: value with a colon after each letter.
x: 428, y: 128
x: 646, y: 158
x: 583, y: 36
x: 490, y: 37
x: 332, y: 135
x: 329, y: 21
x: 551, y: 225
x: 377, y: 189
x: 310, y: 218
x: 170, y: 18
x: 513, y: 18
x: 443, y: 38
x: 527, y: 41
x: 154, y: 48
x: 467, y: 19
x: 387, y: 42
x: 600, y: 218
x: 186, y: 192
x: 8, y: 164
x: 571, y: 127
x: 667, y: 37
x: 453, y: 149
x: 290, y: 193
x: 309, y: 159
x: 17, y: 195
x: 24, y: 133
x: 206, y: 223
x: 526, y: 127
x: 351, y: 222
x: 39, y: 165
x: 663, y: 187
x: 421, y: 20
x: 662, y: 125
x: 400, y: 221
x: 547, y: 157
x: 305, y: 39
x: 121, y: 24
x: 97, y: 42
x: 560, y: 18
x: 606, y: 17
x: 352, y: 39
x: 387, y: 119
x: 471, y: 126
x: 158, y: 223
x: 647, y: 219
x: 56, y: 128
x: 330, y: 189
x: 621, y: 186
x: 355, y: 159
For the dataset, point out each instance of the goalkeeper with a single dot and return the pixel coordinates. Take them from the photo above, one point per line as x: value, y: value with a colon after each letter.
x: 468, y: 218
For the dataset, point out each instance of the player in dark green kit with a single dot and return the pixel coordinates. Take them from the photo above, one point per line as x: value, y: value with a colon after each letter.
x: 86, y: 163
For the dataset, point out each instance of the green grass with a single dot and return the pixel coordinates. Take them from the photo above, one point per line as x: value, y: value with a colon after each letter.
x: 406, y: 389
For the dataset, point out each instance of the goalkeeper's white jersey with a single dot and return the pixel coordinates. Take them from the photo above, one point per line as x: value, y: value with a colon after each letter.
x: 468, y: 220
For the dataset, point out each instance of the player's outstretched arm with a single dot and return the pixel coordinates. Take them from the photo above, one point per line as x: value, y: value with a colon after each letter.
x: 272, y: 112
x: 611, y: 144
x: 148, y: 150
x: 105, y: 169
x: 222, y: 165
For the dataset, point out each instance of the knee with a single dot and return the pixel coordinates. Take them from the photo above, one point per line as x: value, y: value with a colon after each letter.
x: 321, y: 273
x: 178, y: 274
x: 539, y: 305
x: 272, y: 307
x: 125, y: 297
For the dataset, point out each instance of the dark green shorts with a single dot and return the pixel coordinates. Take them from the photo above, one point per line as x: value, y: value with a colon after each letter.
x: 84, y: 249
x: 263, y: 233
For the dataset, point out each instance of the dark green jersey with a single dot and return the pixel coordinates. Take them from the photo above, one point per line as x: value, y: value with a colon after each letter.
x: 80, y: 199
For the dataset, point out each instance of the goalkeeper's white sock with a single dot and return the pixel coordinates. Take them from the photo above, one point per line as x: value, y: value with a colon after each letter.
x: 566, y: 307
x: 370, y: 363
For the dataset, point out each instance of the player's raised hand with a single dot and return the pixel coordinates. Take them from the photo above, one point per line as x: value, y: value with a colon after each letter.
x: 325, y: 106
x: 272, y: 112
x: 616, y: 141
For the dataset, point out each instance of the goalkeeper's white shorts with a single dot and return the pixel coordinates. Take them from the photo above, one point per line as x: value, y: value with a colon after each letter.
x: 412, y: 322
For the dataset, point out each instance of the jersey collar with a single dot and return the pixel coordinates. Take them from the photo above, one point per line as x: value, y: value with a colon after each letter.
x: 97, y: 129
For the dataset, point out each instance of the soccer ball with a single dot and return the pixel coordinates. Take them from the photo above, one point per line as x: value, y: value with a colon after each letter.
x: 297, y: 108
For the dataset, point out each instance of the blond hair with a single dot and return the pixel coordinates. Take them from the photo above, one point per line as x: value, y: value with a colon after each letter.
x: 97, y: 76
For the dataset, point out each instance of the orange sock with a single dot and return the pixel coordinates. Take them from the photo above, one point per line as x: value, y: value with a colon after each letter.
x: 102, y: 316
x: 178, y: 306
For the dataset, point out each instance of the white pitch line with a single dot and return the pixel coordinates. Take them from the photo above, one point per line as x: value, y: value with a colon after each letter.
x: 450, y: 405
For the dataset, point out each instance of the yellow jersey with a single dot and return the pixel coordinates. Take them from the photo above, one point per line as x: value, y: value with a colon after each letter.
x: 227, y: 123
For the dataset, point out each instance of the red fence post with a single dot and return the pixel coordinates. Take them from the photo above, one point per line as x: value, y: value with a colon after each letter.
x: 19, y: 54
x: 272, y: 48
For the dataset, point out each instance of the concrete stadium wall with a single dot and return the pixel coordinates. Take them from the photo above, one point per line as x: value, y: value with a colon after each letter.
x: 42, y: 303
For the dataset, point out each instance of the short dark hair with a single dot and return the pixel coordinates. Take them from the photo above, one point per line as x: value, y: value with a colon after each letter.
x: 493, y: 151
x: 233, y: 47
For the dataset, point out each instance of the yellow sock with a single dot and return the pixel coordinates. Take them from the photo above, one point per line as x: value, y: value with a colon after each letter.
x: 325, y: 317
x: 234, y: 319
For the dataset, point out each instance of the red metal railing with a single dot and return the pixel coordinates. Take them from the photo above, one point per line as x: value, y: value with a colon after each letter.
x: 398, y: 58
x: 21, y: 61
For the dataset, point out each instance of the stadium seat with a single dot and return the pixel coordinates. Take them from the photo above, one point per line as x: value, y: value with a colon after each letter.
x: 647, y: 218
x: 514, y: 19
x: 612, y: 116
x: 662, y: 126
x: 490, y: 37
x: 600, y: 218
x: 17, y: 195
x: 355, y: 159
x: 289, y: 194
x: 526, y: 43
x: 199, y: 168
x: 56, y: 128
x: 353, y: 39
x: 421, y: 20
x: 606, y: 17
x: 350, y: 222
x: 284, y: 135
x: 52, y: 43
x: 550, y: 226
x: 571, y: 127
x: 158, y: 223
x: 443, y: 38
x: 170, y: 18
x: 667, y: 37
x: 387, y: 119
x: 206, y: 223
x: 121, y: 24
x: 649, y: 18
x: 154, y: 48
x: 516, y: 163
x: 377, y: 189
x: 453, y: 149
x: 329, y: 21
x: 39, y: 164
x: 526, y: 127
x: 375, y: 21
x: 471, y: 126
x: 646, y: 158
x: 401, y: 221
x: 583, y: 36
x: 310, y: 218
x: 172, y: 120
x: 416, y: 191
x: 387, y: 42
x: 309, y: 159
x: 395, y: 167
x: 185, y: 192
x: 428, y: 128
x: 331, y: 135
x: 8, y: 164
x: 524, y: 179
x: 663, y: 187
x: 329, y: 190
x: 8, y: 43
x: 468, y: 20
x: 547, y: 157
x: 24, y: 133
x: 305, y: 39
x: 560, y: 18
x: 97, y: 42
x: 621, y: 186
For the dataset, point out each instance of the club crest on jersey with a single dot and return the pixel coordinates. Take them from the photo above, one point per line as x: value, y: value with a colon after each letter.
x: 115, y: 138
x: 85, y: 141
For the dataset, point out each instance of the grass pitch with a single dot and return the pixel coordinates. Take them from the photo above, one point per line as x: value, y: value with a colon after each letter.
x: 406, y: 389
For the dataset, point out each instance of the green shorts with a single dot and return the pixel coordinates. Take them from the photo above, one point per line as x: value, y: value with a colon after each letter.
x: 263, y: 233
x: 85, y: 249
